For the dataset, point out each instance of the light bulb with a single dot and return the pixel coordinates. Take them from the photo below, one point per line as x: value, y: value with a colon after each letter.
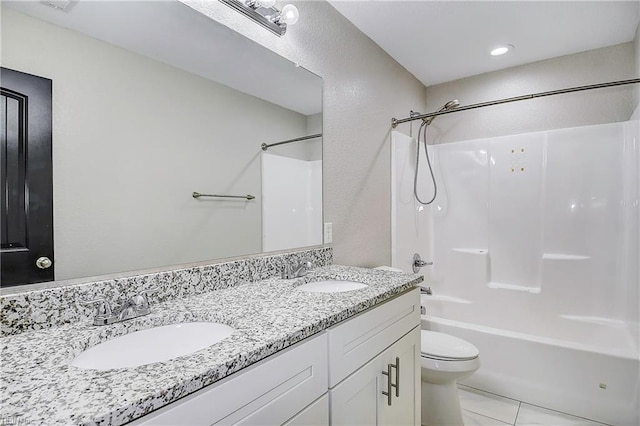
x: 289, y: 14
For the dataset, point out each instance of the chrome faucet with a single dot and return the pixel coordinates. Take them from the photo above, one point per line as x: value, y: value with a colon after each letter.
x: 426, y: 290
x: 296, y: 271
x: 133, y: 307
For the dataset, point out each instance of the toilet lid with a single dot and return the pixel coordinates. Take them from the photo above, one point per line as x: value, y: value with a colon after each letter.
x: 446, y: 347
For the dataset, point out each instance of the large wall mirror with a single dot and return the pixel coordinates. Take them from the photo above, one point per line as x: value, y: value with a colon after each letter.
x: 153, y: 101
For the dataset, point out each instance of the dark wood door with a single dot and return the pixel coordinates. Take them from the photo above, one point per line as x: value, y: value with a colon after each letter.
x: 26, y: 253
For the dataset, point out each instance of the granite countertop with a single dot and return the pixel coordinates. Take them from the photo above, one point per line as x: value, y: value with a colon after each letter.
x: 38, y: 386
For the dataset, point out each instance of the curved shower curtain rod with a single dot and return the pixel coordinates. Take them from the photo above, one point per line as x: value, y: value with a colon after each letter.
x: 266, y: 146
x: 395, y: 122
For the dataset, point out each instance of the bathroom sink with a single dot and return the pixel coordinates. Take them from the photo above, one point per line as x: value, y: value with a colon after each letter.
x: 152, y: 345
x: 331, y: 286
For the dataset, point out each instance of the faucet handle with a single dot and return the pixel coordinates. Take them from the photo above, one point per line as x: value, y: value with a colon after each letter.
x: 103, y: 307
x: 285, y: 271
x: 148, y: 292
x: 141, y: 300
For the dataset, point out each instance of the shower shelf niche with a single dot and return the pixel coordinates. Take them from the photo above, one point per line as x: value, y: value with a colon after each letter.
x: 532, y: 290
x: 561, y: 256
x: 471, y: 250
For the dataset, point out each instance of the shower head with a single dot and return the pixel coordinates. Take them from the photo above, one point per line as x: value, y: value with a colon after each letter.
x: 452, y: 104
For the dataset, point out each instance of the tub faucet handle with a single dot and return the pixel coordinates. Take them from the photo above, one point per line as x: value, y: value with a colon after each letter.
x: 419, y: 263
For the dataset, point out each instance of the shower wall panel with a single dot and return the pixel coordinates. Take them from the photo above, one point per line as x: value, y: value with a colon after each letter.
x: 515, y: 182
x: 545, y: 222
x: 584, y: 220
x: 411, y: 234
x: 460, y: 214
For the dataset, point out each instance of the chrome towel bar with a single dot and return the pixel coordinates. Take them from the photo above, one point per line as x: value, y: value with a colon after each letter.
x: 197, y: 195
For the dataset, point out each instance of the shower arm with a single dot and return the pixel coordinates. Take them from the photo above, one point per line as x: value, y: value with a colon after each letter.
x: 395, y: 121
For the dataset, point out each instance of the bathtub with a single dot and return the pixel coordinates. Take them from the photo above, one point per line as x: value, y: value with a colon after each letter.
x: 584, y: 366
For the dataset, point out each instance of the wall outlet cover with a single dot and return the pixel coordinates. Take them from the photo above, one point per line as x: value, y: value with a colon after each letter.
x: 328, y: 232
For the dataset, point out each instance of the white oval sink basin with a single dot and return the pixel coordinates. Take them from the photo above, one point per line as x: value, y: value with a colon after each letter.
x: 152, y: 345
x: 331, y: 286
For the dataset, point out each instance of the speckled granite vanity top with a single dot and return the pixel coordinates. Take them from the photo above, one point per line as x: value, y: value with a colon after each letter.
x: 39, y: 387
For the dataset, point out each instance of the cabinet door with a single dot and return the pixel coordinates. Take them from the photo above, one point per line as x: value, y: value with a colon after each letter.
x: 405, y: 407
x: 358, y: 400
x: 316, y: 414
x: 355, y: 400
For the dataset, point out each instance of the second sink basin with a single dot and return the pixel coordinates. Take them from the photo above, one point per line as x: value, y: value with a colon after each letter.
x: 152, y: 345
x: 331, y: 286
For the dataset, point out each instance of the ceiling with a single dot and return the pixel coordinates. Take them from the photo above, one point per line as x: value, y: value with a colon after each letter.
x: 440, y: 41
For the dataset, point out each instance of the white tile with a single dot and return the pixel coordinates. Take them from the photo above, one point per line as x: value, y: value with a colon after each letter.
x: 488, y: 404
x: 473, y: 419
x: 530, y: 415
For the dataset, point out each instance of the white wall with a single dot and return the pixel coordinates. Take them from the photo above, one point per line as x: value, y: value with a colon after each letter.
x: 314, y: 147
x: 569, y: 110
x: 363, y: 89
x: 133, y: 139
x: 309, y: 150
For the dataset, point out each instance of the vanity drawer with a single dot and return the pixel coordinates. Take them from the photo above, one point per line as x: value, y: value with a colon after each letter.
x: 270, y: 392
x: 356, y: 341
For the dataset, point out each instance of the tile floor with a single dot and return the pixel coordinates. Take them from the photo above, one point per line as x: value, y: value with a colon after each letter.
x: 486, y: 409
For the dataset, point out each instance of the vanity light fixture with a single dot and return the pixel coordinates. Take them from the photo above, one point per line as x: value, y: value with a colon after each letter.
x: 61, y: 5
x: 501, y: 50
x: 266, y: 14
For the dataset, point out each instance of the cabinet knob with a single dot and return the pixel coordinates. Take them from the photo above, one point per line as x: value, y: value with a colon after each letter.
x: 44, y: 262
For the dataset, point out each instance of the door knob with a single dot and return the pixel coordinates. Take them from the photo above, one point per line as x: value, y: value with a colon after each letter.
x: 44, y: 262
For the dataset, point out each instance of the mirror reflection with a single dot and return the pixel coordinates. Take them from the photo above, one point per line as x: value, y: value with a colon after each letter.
x: 148, y: 111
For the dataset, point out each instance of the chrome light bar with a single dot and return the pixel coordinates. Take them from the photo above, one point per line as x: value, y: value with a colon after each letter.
x: 265, y: 13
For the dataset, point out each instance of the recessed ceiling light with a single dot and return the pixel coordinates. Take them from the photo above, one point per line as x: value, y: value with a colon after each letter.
x: 501, y: 50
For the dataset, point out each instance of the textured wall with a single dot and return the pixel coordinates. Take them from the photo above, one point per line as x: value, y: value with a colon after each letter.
x: 363, y: 89
x: 569, y: 110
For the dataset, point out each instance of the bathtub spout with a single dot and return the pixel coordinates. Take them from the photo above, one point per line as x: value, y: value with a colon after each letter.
x: 426, y: 290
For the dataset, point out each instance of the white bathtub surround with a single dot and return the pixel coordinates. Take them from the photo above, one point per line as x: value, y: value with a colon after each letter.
x: 534, y: 239
x: 291, y: 202
x: 40, y: 387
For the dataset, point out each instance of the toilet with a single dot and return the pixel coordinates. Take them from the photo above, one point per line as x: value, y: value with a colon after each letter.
x: 445, y: 359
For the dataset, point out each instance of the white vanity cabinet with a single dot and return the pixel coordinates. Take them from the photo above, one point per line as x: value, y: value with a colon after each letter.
x: 334, y: 377
x: 286, y: 387
x: 359, y: 399
x: 374, y: 353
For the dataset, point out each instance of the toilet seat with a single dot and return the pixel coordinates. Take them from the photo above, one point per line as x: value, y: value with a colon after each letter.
x: 444, y: 347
